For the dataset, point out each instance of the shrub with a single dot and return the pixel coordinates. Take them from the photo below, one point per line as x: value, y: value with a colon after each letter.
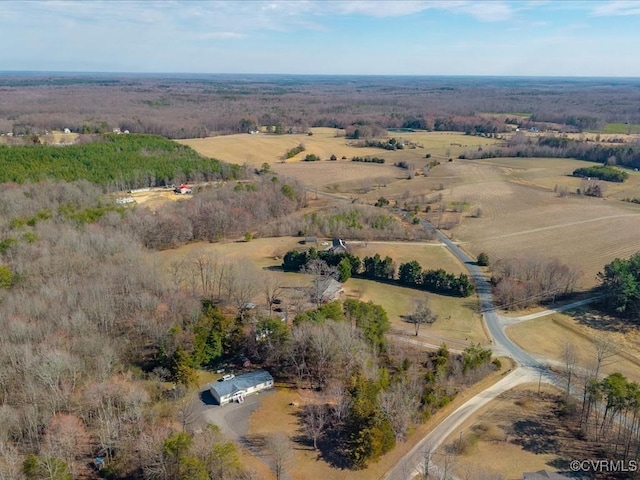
x: 294, y: 151
x: 483, y: 259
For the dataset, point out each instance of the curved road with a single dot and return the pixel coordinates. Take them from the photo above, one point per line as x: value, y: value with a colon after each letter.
x: 529, y: 369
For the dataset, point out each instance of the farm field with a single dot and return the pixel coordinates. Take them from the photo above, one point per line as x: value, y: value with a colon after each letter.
x: 547, y: 336
x: 256, y: 149
x: 522, y: 216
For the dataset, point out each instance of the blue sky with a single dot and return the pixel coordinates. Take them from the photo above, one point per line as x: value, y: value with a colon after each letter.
x: 548, y: 38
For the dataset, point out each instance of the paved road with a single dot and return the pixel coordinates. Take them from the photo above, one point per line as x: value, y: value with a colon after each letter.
x: 551, y: 311
x: 529, y: 368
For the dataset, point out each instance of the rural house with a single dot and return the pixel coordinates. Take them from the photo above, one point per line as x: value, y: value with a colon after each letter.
x: 236, y: 388
x: 325, y: 290
x: 338, y: 246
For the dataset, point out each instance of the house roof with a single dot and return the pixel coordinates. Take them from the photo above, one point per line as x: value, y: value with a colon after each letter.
x: 327, y: 287
x: 338, y: 246
x: 241, y: 382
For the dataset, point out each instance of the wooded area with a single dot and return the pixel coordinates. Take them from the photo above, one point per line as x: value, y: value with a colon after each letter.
x: 203, y: 105
x: 118, y: 162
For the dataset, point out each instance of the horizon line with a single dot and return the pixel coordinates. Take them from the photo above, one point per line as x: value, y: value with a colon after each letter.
x: 367, y: 75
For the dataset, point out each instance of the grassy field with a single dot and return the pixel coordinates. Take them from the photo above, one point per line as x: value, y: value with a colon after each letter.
x: 457, y: 321
x: 257, y: 149
x: 496, y: 440
x: 621, y: 128
x: 547, y: 336
x: 521, y: 214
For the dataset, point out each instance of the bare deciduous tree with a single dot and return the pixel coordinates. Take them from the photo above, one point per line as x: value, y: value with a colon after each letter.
x: 279, y: 448
x: 570, y: 359
x: 314, y: 422
x: 422, y: 315
x: 271, y: 289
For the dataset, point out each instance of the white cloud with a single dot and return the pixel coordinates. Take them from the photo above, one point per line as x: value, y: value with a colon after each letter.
x: 221, y: 36
x: 383, y: 8
x: 483, y: 10
x: 616, y: 8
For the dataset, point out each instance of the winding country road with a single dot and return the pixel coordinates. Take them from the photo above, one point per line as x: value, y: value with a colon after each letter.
x: 529, y: 369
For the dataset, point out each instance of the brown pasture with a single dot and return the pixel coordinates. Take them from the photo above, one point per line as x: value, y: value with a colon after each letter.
x: 547, y: 337
x: 257, y: 149
x: 522, y: 216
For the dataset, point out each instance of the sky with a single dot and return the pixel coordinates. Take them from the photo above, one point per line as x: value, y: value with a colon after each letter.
x: 346, y: 37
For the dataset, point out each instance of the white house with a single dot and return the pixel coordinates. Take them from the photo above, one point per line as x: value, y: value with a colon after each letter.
x: 236, y: 388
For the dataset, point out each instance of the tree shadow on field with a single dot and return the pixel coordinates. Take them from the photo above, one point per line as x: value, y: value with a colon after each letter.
x: 603, y: 322
x: 537, y: 436
x: 331, y: 444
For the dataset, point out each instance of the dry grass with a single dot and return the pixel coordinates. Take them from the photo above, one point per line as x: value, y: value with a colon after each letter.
x: 547, y: 336
x: 429, y: 255
x: 486, y: 434
x: 341, y: 176
x: 521, y: 216
x: 257, y: 149
x: 457, y: 317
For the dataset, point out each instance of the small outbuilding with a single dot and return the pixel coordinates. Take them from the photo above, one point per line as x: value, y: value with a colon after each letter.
x: 325, y: 290
x: 236, y: 388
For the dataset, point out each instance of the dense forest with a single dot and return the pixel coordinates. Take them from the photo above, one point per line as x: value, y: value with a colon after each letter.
x: 201, y: 105
x: 116, y: 161
x: 99, y: 348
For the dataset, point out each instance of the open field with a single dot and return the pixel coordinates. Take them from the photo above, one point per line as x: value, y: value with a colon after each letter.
x: 521, y: 215
x: 341, y: 176
x: 256, y: 149
x: 499, y: 438
x: 621, y: 128
x: 548, y: 173
x: 519, y: 221
x: 458, y: 319
x: 547, y: 336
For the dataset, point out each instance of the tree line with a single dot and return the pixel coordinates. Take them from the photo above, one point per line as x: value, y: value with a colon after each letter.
x: 523, y: 282
x: 602, y: 172
x: 620, y: 284
x: 519, y: 145
x: 375, y: 267
x: 164, y: 106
